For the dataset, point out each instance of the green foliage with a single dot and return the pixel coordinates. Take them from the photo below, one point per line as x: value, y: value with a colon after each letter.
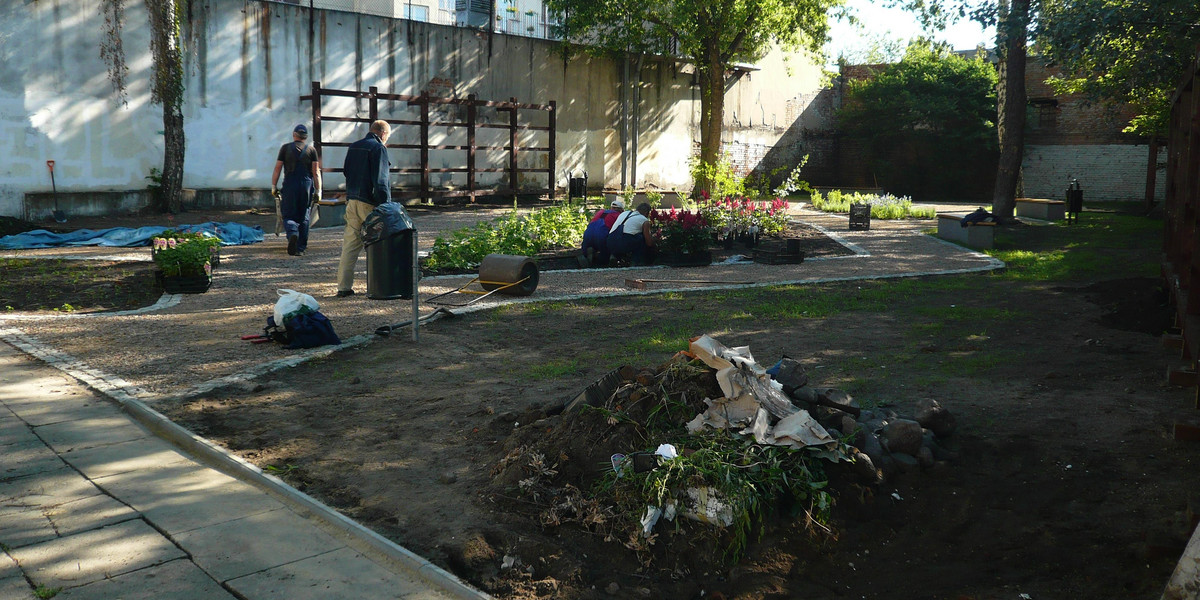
x: 926, y: 123
x: 885, y: 206
x: 183, y: 254
x: 1121, y: 51
x: 722, y: 180
x: 42, y: 592
x: 748, y: 478
x: 559, y: 226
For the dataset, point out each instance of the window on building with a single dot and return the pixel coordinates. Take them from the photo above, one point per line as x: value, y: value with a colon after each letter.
x: 416, y: 13
x: 1045, y: 114
x: 446, y: 11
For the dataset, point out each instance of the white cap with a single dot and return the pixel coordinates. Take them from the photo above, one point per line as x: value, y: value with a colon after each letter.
x: 619, y: 203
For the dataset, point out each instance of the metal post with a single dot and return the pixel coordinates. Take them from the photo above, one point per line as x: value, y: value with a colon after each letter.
x: 416, y: 296
x: 472, y: 114
x: 553, y: 153
x: 512, y: 141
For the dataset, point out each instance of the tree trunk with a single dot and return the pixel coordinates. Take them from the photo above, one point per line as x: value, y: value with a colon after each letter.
x: 1010, y: 105
x: 173, y: 152
x: 712, y: 107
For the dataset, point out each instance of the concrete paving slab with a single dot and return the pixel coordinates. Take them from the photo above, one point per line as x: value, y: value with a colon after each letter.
x: 342, y: 573
x: 24, y: 526
x: 16, y: 588
x: 256, y: 543
x: 124, y: 457
x: 90, y: 431
x: 8, y: 567
x: 27, y: 458
x: 42, y: 408
x: 47, y: 488
x: 185, y: 496
x: 176, y: 580
x: 14, y: 430
x: 93, y: 555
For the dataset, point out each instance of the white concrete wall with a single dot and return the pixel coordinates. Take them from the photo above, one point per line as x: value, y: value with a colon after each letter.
x: 248, y: 63
x: 1105, y: 172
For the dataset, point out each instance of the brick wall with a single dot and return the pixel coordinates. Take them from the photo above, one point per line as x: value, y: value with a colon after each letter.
x: 1070, y: 119
x: 1106, y: 172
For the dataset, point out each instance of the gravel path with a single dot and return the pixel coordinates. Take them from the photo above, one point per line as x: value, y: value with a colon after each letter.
x: 187, y: 343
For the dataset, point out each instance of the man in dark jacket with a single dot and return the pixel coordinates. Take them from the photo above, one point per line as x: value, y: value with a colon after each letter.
x: 367, y: 186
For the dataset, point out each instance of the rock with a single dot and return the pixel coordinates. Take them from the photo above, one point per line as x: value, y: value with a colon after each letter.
x: 933, y: 417
x: 864, y: 469
x: 925, y: 457
x: 902, y: 435
x: 804, y: 394
x: 355, y: 381
x: 839, y: 399
x: 447, y: 477
x: 905, y: 463
x: 612, y: 589
x: 791, y: 375
x: 849, y: 425
x: 869, y: 445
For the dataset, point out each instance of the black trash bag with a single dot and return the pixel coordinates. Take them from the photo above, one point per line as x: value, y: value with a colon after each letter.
x: 386, y: 220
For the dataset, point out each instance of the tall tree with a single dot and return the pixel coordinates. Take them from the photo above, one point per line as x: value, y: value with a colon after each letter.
x: 1012, y: 20
x: 166, y: 86
x: 712, y: 34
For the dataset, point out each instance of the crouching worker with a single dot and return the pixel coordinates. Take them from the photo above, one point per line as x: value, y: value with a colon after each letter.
x: 630, y: 237
x: 595, y: 237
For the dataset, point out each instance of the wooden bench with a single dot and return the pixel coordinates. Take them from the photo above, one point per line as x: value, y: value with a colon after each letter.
x: 1046, y: 210
x: 975, y: 235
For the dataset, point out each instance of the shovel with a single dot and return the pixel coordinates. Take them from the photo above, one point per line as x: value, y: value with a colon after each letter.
x: 57, y: 214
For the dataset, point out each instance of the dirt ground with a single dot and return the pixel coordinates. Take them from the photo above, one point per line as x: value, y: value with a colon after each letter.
x: 1067, y: 482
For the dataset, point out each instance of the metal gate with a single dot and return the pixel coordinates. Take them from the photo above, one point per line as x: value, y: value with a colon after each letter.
x: 477, y: 158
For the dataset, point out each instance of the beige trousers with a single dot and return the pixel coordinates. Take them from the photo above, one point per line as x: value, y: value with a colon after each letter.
x: 352, y: 242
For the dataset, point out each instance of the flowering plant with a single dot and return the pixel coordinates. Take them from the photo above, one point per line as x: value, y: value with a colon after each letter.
x: 741, y: 216
x: 681, y: 231
x: 183, y: 254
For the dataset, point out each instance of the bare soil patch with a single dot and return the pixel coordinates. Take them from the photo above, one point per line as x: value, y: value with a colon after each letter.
x: 1067, y: 484
x: 76, y: 285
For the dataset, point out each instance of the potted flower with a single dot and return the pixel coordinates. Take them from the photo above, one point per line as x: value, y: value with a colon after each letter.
x: 184, y: 262
x: 683, y: 237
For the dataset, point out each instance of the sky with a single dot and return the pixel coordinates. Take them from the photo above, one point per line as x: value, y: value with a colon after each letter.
x: 897, y: 24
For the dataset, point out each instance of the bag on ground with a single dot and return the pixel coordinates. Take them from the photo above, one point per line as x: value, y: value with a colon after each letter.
x: 292, y: 303
x: 304, y: 330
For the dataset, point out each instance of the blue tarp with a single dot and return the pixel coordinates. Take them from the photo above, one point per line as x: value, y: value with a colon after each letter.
x: 231, y: 234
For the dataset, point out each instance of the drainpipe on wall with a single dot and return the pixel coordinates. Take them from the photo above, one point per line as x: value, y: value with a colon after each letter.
x: 636, y: 119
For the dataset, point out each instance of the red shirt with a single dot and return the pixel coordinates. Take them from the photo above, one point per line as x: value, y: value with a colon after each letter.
x: 609, y: 215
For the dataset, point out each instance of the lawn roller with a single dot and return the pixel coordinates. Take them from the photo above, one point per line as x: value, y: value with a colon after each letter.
x: 503, y: 273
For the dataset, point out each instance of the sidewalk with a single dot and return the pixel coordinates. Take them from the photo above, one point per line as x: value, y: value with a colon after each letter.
x: 96, y: 505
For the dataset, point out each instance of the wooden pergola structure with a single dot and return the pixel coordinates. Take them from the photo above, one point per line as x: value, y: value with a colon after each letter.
x: 470, y: 164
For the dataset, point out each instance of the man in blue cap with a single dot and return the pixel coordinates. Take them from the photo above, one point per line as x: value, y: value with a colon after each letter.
x: 301, y: 186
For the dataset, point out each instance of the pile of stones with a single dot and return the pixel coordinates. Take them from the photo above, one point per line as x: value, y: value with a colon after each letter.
x: 884, y: 442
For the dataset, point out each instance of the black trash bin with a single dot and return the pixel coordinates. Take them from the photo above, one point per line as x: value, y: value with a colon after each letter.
x: 388, y: 237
